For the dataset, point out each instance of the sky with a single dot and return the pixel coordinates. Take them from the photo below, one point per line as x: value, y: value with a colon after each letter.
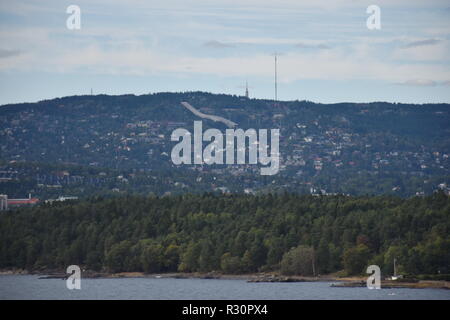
x: 326, y: 53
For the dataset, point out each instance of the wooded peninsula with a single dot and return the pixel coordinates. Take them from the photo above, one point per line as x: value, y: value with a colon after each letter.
x: 233, y: 234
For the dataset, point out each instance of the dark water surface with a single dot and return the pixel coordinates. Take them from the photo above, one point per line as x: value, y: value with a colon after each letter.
x: 31, y: 287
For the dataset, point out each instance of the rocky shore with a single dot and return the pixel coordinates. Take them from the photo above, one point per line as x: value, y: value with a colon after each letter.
x: 337, y: 282
x: 387, y: 284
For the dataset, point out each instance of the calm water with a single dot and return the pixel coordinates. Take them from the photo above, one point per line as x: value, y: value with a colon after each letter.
x: 30, y: 287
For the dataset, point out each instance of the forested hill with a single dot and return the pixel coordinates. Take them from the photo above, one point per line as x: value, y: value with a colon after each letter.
x: 232, y: 234
x: 119, y: 144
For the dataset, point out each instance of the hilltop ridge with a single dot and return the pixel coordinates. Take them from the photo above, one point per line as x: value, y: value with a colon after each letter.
x: 108, y: 144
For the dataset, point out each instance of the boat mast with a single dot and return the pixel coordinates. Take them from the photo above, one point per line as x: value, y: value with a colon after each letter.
x: 313, y: 263
x: 395, y: 269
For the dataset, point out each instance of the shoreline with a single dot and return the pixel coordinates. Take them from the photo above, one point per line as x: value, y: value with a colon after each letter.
x: 250, y: 277
x: 338, y: 282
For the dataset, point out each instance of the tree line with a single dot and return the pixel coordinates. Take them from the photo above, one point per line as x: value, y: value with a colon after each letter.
x: 294, y: 234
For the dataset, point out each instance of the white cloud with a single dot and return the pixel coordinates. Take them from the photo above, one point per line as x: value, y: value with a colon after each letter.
x: 325, y: 64
x: 217, y: 44
x: 421, y: 43
x: 424, y: 83
x: 136, y: 49
x: 423, y: 50
x: 6, y: 53
x: 419, y: 83
x: 305, y: 45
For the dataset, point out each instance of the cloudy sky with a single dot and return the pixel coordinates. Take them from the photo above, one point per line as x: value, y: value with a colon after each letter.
x: 326, y: 52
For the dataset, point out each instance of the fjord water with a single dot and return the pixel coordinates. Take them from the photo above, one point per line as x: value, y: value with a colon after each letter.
x: 31, y: 287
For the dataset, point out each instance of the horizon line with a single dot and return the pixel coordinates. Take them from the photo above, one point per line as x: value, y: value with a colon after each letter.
x: 225, y: 94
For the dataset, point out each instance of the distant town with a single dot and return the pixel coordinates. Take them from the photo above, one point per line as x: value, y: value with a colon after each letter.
x: 82, y: 145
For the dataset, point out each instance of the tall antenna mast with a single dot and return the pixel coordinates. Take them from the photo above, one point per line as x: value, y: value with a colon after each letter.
x: 276, y: 89
x: 246, y: 89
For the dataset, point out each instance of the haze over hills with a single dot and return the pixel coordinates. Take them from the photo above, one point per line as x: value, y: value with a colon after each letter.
x: 103, y: 144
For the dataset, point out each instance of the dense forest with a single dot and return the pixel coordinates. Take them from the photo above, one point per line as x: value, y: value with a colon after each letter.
x: 294, y: 234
